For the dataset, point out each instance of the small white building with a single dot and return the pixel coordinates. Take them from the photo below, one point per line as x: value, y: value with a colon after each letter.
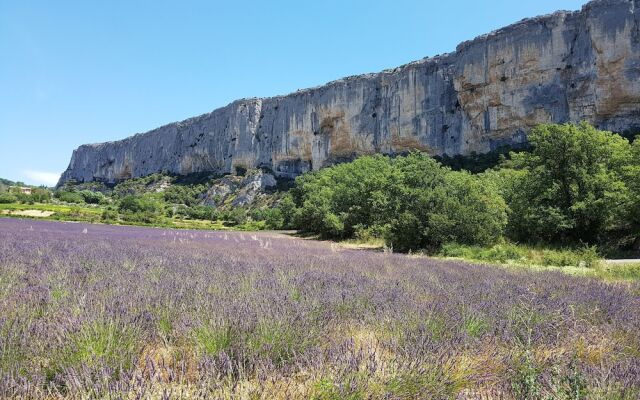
x: 20, y: 189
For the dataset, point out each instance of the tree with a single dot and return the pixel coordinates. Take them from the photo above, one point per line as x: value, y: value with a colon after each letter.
x: 412, y: 201
x: 440, y: 206
x: 202, y: 212
x: 147, y: 208
x: 335, y: 201
x: 273, y: 218
x: 288, y: 211
x: 6, y: 198
x: 69, y: 197
x: 632, y: 178
x: 572, y: 187
x: 91, y: 197
x: 237, y: 216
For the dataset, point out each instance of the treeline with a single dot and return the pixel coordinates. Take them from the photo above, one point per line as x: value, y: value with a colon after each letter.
x: 15, y: 195
x: 573, y: 186
x: 158, y: 198
x: 576, y: 186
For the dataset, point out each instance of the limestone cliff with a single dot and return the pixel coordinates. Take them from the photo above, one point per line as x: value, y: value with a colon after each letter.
x: 568, y: 66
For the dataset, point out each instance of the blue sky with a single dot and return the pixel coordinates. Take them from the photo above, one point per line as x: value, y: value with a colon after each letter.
x: 74, y: 72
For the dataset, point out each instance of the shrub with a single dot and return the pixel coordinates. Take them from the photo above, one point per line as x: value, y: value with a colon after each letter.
x: 413, y: 201
x: 573, y: 187
x: 370, y: 234
x: 40, y: 195
x: 6, y: 198
x: 69, y: 197
x: 136, y: 186
x: 202, y: 212
x: 91, y: 197
x: 138, y: 204
x: 236, y: 216
x: 184, y: 194
x: 521, y: 254
x: 109, y: 215
x: 144, y: 217
x: 501, y: 253
x: 146, y: 209
x: 273, y: 218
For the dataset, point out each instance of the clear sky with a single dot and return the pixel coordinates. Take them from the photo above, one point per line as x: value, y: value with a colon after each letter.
x: 74, y: 72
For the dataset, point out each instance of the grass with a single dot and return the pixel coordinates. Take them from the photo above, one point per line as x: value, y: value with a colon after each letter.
x: 61, y: 212
x: 60, y: 209
x: 509, y: 253
x: 107, y: 343
x: 93, y: 214
x: 615, y: 272
x: 211, y: 339
x: 368, y: 243
x: 580, y: 262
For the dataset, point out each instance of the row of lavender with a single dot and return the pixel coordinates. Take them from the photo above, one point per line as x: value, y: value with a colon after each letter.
x: 103, y: 311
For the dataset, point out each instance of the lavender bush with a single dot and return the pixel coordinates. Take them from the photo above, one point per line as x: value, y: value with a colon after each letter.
x: 92, y: 311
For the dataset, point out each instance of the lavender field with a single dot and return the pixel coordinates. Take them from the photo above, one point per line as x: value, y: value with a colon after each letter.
x: 96, y: 311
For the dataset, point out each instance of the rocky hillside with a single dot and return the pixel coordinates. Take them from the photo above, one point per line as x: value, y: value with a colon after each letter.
x: 253, y: 189
x: 568, y: 66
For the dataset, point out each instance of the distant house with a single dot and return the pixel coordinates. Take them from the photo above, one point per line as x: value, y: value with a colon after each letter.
x: 20, y: 189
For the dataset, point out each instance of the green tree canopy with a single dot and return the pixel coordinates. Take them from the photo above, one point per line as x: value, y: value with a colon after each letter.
x: 573, y: 186
x: 413, y: 201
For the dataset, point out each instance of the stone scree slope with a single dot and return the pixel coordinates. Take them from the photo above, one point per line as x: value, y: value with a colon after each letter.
x: 567, y: 66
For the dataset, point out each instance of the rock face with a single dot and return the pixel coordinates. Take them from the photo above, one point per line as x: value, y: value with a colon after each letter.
x: 239, y: 191
x: 568, y: 66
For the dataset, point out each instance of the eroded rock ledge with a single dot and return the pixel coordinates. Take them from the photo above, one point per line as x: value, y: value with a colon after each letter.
x: 567, y: 66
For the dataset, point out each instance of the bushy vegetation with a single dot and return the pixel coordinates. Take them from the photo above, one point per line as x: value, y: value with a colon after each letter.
x: 184, y: 194
x: 9, y: 194
x: 6, y: 198
x: 69, y: 197
x: 573, y: 187
x: 412, y: 201
x: 509, y: 253
x: 196, y: 212
x: 147, y: 208
x: 157, y: 200
x: 577, y: 186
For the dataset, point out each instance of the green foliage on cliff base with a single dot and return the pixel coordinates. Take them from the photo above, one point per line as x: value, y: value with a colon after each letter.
x: 412, y: 201
x: 576, y: 187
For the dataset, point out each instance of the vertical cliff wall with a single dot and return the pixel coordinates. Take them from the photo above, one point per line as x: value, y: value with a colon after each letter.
x: 568, y: 66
